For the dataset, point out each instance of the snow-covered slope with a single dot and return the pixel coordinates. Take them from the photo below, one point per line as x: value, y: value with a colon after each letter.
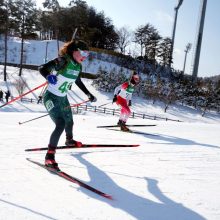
x: 173, y: 174
x: 37, y: 52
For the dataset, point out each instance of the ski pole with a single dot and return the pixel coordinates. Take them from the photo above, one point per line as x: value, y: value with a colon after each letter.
x: 71, y: 106
x: 105, y: 104
x: 20, y: 123
x: 16, y: 98
x: 75, y: 105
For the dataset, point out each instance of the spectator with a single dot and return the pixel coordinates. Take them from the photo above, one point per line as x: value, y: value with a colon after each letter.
x: 7, y: 95
x: 39, y: 99
x: 1, y: 95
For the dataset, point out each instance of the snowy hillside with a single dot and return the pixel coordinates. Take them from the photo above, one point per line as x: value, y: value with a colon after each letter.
x: 37, y: 52
x: 173, y: 174
x: 34, y: 79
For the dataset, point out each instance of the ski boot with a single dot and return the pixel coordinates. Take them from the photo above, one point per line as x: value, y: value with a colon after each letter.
x: 71, y: 142
x: 120, y: 122
x: 124, y: 127
x: 50, y: 160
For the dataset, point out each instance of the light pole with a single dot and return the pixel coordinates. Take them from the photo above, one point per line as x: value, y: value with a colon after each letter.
x: 199, y: 40
x: 174, y: 30
x: 188, y: 47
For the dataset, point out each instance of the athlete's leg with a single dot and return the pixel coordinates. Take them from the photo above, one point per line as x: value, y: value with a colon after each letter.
x: 125, y: 110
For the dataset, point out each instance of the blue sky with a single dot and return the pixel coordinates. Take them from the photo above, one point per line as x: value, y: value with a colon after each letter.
x: 160, y: 13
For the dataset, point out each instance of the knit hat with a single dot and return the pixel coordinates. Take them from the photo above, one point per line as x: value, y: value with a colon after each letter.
x: 75, y: 45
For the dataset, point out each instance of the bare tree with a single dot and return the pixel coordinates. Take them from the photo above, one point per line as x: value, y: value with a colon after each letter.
x: 20, y: 85
x: 124, y: 39
x: 4, y: 28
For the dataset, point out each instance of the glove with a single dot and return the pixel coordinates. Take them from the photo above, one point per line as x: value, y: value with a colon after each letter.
x: 52, y: 79
x: 114, y: 99
x: 129, y: 103
x: 92, y: 98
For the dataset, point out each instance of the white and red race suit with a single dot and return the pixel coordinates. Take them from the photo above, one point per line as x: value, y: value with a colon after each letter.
x: 124, y: 94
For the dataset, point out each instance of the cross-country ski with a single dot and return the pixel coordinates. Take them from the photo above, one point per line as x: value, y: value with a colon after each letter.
x: 71, y: 179
x: 131, y: 132
x: 85, y: 146
x: 113, y: 126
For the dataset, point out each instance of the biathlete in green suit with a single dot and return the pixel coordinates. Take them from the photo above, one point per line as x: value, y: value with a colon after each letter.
x: 67, y: 68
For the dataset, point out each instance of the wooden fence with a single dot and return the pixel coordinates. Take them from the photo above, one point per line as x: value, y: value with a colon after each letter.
x: 109, y: 111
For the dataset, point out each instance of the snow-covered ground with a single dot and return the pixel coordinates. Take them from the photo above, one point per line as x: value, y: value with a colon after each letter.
x: 173, y: 174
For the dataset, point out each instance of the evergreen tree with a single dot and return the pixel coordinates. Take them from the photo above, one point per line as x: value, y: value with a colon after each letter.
x: 164, y: 51
x: 142, y: 36
x: 24, y: 18
x: 151, y: 45
x: 51, y: 4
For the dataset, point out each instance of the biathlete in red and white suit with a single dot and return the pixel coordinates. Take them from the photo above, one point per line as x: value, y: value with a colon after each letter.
x: 122, y: 97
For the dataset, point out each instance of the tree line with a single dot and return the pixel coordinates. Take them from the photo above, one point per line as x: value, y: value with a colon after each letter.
x: 175, y: 89
x: 22, y: 18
